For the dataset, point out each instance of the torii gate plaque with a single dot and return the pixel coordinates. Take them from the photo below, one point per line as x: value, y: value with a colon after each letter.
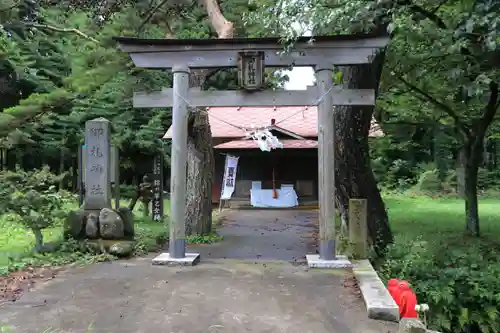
x: 323, y: 53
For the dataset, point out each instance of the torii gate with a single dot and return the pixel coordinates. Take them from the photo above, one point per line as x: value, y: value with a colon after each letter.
x: 251, y: 56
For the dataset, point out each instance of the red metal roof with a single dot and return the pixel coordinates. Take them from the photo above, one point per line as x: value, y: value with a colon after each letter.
x: 226, y: 122
x: 251, y: 144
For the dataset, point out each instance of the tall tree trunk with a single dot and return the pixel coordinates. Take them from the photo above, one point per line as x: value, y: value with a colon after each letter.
x: 61, y: 165
x: 353, y: 173
x: 200, y: 152
x: 471, y: 202
x: 472, y: 159
x: 3, y: 159
x: 200, y: 167
x: 474, y: 143
x: 74, y: 174
x: 200, y: 174
x: 460, y: 170
x: 38, y: 239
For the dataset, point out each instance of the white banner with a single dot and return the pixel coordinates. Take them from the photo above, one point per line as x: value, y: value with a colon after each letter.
x: 229, y: 181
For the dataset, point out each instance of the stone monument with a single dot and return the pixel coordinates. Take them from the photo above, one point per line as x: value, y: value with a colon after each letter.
x: 358, y: 228
x: 96, y: 220
x: 97, y: 164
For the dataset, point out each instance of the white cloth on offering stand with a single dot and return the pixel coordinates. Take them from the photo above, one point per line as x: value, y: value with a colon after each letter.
x: 263, y: 198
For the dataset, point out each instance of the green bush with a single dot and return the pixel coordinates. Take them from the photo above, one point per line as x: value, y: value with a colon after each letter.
x: 461, y: 286
x: 450, y: 181
x: 379, y: 169
x: 429, y: 182
x: 31, y: 198
x: 398, y: 174
x: 149, y: 235
x: 393, y: 162
x: 401, y: 173
x: 488, y: 180
x: 429, y: 166
x: 127, y: 191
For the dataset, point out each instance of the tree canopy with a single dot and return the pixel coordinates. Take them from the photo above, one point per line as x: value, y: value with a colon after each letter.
x: 439, y: 90
x: 60, y: 68
x: 438, y: 95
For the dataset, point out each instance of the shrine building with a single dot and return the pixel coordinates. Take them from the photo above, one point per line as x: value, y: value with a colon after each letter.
x: 295, y: 165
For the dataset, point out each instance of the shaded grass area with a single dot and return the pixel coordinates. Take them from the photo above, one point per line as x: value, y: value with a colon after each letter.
x: 440, y: 220
x: 16, y: 242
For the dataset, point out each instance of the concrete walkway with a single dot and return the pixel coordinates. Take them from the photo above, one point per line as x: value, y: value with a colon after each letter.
x: 218, y: 295
x: 265, y: 234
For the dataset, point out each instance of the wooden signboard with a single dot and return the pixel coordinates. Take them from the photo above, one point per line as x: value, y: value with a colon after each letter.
x: 157, y: 209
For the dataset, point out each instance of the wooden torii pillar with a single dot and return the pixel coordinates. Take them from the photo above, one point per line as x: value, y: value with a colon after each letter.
x: 251, y: 55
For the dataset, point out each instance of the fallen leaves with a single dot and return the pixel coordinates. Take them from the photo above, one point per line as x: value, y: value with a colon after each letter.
x: 13, y: 285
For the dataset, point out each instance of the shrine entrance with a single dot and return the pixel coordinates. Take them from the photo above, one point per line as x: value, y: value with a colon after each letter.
x: 251, y: 56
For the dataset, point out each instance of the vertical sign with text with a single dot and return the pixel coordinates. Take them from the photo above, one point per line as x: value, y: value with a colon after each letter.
x: 229, y: 180
x: 157, y: 202
x: 97, y: 164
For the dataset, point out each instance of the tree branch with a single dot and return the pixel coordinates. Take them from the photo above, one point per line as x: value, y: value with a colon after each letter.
x: 8, y: 128
x: 223, y: 27
x: 212, y: 73
x: 463, y: 129
x: 439, y: 6
x: 65, y: 30
x: 410, y: 123
x: 429, y: 15
x: 489, y: 111
x: 151, y: 13
x: 420, y: 63
x: 433, y: 17
x: 158, y: 6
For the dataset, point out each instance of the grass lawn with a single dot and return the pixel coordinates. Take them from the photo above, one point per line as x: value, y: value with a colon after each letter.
x: 16, y: 241
x: 439, y: 219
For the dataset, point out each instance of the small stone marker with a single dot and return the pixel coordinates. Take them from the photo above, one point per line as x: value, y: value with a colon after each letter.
x: 358, y: 228
x: 157, y: 203
x: 97, y: 164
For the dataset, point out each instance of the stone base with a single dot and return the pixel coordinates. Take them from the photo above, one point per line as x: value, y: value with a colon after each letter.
x: 314, y: 261
x: 119, y: 248
x: 379, y: 303
x: 106, y: 223
x: 190, y: 259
